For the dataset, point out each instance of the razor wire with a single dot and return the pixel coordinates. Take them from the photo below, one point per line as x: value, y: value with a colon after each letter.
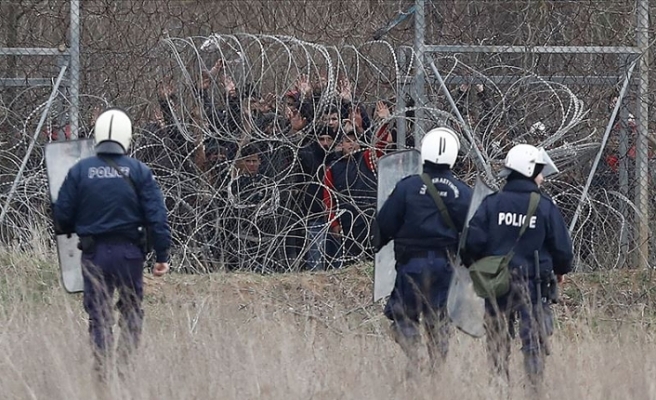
x: 162, y: 52
x: 227, y: 134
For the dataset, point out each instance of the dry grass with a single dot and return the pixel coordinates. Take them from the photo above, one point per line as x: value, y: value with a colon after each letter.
x: 317, y: 336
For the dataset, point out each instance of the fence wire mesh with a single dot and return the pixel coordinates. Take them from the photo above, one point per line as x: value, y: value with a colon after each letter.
x: 263, y: 121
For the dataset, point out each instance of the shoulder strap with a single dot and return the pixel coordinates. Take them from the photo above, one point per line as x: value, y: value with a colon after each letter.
x: 118, y: 169
x: 438, y: 201
x: 532, y: 207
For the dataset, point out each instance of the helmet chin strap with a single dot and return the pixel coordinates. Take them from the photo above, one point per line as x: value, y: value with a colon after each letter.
x: 536, y: 171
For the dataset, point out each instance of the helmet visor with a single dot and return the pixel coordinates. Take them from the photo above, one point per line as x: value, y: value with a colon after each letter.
x: 549, y: 166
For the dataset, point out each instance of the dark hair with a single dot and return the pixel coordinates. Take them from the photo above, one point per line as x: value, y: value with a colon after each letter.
x: 265, y: 119
x: 250, y: 90
x: 342, y: 134
x: 331, y: 109
x: 325, y: 130
x: 249, y: 150
x: 306, y: 110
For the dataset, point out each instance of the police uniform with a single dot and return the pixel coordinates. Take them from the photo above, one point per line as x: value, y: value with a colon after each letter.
x: 422, y: 239
x: 99, y: 204
x: 494, y: 230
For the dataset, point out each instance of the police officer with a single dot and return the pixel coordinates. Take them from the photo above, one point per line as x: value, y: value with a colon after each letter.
x: 494, y: 230
x: 422, y: 237
x: 110, y: 200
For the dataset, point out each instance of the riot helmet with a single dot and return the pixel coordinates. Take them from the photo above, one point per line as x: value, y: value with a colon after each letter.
x: 440, y: 146
x: 113, y: 131
x: 528, y: 161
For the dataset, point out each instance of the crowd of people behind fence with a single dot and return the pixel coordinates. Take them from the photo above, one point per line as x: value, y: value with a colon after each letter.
x: 284, y: 182
x: 274, y: 183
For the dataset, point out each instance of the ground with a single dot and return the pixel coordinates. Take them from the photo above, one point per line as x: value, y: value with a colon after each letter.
x: 302, y: 336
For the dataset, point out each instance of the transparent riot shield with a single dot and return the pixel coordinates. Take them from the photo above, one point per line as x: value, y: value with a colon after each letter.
x: 60, y: 157
x: 391, y: 169
x: 465, y: 308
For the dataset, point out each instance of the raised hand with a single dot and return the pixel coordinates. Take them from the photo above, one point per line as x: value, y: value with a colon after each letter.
x: 345, y: 92
x: 267, y: 103
x: 205, y: 80
x: 382, y: 111
x: 303, y: 84
x: 229, y: 85
x: 217, y: 67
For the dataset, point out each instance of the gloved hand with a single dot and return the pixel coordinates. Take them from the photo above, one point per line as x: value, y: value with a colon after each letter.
x: 51, y: 214
x: 62, y: 231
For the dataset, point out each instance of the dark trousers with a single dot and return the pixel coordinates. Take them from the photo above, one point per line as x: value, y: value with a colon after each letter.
x: 535, y: 326
x: 421, y: 289
x: 106, y: 268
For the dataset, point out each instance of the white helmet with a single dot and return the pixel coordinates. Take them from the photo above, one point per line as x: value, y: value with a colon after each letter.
x: 523, y: 158
x: 440, y: 146
x: 113, y: 132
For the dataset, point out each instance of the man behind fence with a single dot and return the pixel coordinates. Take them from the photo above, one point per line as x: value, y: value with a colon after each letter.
x: 521, y: 222
x: 424, y: 215
x: 110, y: 201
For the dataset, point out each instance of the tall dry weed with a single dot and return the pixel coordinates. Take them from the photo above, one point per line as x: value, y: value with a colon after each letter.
x: 250, y: 337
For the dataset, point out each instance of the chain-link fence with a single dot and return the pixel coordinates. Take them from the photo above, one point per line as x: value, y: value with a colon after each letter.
x: 263, y: 121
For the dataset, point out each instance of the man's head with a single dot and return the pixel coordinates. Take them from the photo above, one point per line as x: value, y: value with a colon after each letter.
x: 349, y: 143
x: 325, y: 137
x: 299, y: 118
x: 113, y: 131
x: 249, y: 162
x: 214, y: 152
x: 330, y: 117
x: 292, y: 99
x: 268, y: 123
x: 524, y: 161
x: 440, y: 146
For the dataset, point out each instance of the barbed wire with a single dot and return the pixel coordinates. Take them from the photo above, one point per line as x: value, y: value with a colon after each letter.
x: 210, y: 103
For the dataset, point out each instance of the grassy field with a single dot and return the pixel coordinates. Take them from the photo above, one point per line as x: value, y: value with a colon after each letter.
x: 306, y: 336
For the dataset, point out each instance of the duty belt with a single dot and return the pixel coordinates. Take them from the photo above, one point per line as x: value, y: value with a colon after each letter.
x: 115, y: 238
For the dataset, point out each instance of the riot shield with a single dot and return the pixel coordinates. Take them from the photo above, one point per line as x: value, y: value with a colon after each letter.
x: 391, y: 169
x: 465, y: 308
x: 60, y: 157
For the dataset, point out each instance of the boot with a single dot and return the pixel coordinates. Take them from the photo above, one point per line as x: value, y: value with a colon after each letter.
x: 409, y: 343
x: 438, y: 332
x: 534, y: 368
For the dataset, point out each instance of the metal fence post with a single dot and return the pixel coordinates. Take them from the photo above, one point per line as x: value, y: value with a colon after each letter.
x: 623, y: 150
x: 74, y: 69
x: 642, y: 143
x: 401, y: 123
x: 420, y: 60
